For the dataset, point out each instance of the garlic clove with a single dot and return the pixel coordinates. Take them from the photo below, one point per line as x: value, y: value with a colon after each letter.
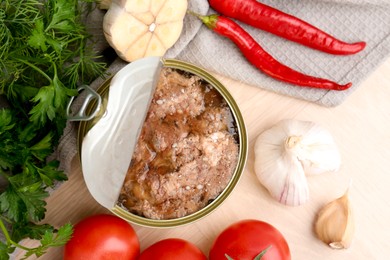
x: 335, y: 224
x: 139, y: 47
x: 293, y: 190
x: 145, y: 17
x: 135, y: 6
x: 170, y: 10
x: 155, y: 47
x: 287, y: 152
x: 319, y: 151
x: 113, y: 27
x: 156, y: 5
x: 168, y: 31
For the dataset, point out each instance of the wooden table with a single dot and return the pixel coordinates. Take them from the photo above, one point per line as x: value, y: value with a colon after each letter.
x: 361, y: 128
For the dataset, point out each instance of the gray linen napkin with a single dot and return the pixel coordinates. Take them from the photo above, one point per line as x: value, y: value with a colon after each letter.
x: 349, y: 20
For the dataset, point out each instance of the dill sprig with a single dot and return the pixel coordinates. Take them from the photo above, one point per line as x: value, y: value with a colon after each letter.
x: 44, y: 36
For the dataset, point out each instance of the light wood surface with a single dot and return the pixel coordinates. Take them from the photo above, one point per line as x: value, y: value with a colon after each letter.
x: 361, y: 128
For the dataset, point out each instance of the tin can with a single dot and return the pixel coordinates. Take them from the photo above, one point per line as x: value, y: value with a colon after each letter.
x: 86, y: 126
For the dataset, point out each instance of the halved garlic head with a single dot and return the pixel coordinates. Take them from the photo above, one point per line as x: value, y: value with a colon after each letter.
x: 141, y: 28
x: 290, y: 150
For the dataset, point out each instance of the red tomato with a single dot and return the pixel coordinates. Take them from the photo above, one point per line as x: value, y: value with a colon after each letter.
x: 172, y: 249
x: 102, y: 237
x: 246, y: 239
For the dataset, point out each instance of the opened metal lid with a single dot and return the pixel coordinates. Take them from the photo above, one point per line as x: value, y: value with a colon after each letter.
x: 108, y: 146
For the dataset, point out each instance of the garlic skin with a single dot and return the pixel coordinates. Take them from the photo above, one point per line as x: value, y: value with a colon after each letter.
x: 143, y: 28
x: 290, y: 150
x: 104, y: 4
x: 335, y: 225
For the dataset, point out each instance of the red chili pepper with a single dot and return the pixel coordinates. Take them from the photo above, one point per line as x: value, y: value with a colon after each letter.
x: 269, y: 19
x: 256, y: 55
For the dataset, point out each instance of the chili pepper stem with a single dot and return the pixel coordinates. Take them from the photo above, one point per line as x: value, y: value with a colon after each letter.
x: 210, y: 20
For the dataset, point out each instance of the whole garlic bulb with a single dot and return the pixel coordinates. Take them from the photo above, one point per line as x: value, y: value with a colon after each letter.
x: 290, y: 150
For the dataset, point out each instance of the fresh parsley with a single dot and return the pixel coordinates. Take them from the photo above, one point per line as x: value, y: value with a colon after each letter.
x: 45, y: 54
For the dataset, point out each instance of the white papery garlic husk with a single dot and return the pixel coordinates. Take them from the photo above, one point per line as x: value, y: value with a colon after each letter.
x: 290, y: 150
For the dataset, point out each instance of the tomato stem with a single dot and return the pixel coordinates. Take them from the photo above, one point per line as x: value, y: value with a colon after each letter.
x: 262, y: 253
x: 258, y: 257
x: 228, y: 257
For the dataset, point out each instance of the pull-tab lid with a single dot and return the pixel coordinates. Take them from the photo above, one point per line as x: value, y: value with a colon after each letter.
x: 108, y: 146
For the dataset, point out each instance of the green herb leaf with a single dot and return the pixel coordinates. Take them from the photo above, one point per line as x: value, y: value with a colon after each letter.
x: 63, y: 15
x: 33, y: 199
x: 5, y: 251
x: 24, y: 199
x: 44, y: 108
x: 9, y: 205
x: 43, y: 148
x: 44, y: 57
x: 50, y: 173
x: 9, y: 150
x: 6, y: 123
x: 21, y: 230
x: 52, y: 239
x: 38, y: 39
